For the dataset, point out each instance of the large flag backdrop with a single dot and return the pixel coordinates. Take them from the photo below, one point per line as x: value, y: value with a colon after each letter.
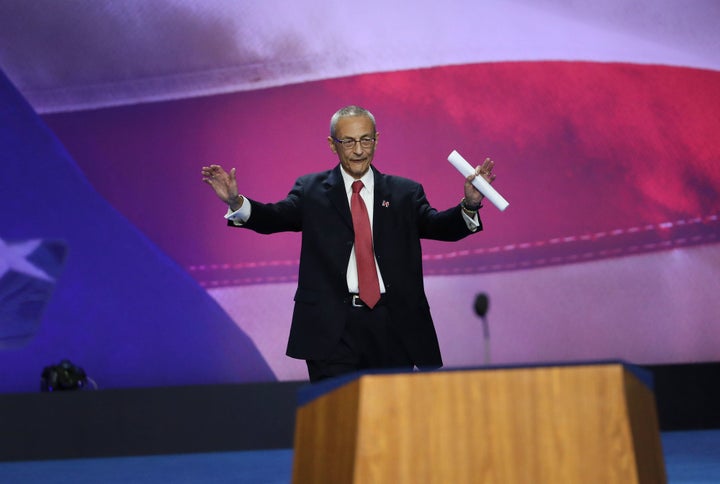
x: 602, y: 122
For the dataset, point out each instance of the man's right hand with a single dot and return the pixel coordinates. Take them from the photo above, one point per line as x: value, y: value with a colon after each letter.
x: 224, y: 184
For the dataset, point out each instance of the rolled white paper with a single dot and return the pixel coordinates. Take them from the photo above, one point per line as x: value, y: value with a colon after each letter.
x: 479, y: 182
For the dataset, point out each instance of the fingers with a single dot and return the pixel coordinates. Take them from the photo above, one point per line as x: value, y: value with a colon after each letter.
x: 215, y: 173
x: 212, y: 170
x: 485, y: 170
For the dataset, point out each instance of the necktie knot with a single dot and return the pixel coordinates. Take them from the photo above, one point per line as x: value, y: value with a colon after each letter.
x: 357, y: 186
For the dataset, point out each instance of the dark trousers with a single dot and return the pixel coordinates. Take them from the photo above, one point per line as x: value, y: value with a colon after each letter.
x: 368, y: 342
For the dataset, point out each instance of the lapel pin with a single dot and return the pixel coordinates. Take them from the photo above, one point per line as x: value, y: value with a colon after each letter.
x: 385, y: 203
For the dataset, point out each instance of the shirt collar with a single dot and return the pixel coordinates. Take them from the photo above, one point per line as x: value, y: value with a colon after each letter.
x: 368, y: 180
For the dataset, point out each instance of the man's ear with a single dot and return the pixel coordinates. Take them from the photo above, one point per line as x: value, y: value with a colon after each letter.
x: 331, y: 142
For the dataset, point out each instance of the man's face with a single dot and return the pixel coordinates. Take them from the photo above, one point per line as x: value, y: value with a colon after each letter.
x: 355, y: 160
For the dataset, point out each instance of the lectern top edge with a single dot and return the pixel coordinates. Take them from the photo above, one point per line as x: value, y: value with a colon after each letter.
x: 310, y: 392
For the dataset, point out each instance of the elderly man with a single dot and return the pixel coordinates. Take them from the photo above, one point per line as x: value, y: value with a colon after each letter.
x: 360, y: 301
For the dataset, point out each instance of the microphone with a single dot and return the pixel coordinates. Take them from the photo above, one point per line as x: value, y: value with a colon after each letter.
x: 482, y: 304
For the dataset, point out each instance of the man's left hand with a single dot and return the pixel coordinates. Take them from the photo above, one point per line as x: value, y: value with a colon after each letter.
x: 473, y: 197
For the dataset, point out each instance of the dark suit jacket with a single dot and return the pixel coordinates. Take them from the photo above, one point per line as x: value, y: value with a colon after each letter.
x: 318, y: 206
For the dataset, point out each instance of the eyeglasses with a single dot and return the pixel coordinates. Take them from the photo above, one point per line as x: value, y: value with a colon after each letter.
x: 349, y: 143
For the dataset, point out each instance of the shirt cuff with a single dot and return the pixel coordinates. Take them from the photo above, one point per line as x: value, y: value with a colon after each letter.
x: 473, y: 223
x: 241, y: 215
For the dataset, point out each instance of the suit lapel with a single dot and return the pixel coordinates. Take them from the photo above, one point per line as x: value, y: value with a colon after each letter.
x: 335, y: 191
x: 381, y: 207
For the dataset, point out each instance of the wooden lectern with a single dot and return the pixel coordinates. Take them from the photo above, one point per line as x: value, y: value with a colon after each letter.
x: 586, y: 423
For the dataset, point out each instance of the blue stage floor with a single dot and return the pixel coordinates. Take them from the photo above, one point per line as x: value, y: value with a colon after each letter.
x: 690, y: 457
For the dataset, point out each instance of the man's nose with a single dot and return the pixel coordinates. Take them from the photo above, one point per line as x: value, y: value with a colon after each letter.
x: 357, y: 148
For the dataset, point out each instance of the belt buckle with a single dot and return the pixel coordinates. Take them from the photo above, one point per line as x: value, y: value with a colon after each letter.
x: 357, y: 302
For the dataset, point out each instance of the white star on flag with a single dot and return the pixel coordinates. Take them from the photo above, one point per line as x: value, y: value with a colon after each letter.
x: 28, y: 273
x: 14, y: 257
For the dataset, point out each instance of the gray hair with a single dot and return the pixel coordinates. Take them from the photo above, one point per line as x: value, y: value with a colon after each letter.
x: 347, y: 112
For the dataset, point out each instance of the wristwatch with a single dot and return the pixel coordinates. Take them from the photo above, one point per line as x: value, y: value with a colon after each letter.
x: 467, y: 208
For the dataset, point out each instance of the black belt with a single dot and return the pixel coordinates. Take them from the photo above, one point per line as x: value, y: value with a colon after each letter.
x: 356, y: 302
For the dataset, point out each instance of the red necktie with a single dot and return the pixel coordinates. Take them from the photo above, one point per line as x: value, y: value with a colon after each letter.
x: 367, y: 275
